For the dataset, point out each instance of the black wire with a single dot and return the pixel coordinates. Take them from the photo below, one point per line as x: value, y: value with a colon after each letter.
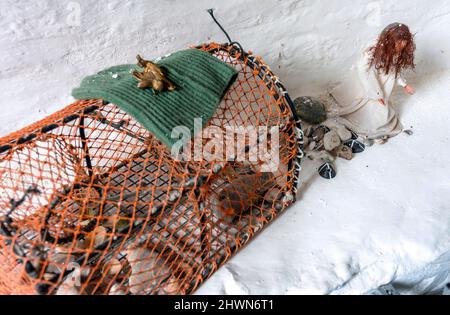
x: 230, y: 42
x: 211, y: 12
x: 84, y: 142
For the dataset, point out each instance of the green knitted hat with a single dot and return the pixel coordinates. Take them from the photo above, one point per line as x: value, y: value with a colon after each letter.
x: 201, y: 82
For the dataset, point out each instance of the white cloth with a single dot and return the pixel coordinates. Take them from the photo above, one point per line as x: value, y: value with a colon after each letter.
x: 357, y: 101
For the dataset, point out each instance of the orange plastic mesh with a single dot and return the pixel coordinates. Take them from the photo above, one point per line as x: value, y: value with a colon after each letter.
x: 92, y: 203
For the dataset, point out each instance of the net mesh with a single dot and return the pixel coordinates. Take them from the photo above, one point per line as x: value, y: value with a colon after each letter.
x: 92, y: 203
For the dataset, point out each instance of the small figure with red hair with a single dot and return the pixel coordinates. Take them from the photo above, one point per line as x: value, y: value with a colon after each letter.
x: 363, y: 99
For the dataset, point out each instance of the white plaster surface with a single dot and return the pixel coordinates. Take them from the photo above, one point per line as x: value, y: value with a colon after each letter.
x: 385, y: 216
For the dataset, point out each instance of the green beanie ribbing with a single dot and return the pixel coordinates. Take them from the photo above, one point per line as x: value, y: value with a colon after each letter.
x: 201, y: 82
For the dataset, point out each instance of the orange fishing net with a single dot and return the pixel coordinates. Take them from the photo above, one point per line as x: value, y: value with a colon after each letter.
x: 92, y: 203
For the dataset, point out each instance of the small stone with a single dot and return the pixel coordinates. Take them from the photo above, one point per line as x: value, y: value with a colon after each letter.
x: 343, y: 152
x: 312, y: 145
x: 310, y: 110
x: 323, y: 156
x: 409, y: 132
x: 326, y: 157
x: 146, y: 270
x: 70, y: 286
x: 113, y: 268
x: 319, y: 133
x: 344, y: 133
x: 117, y: 289
x: 305, y: 142
x: 288, y: 198
x: 368, y: 142
x: 171, y: 287
x: 66, y: 289
x: 273, y: 195
x: 331, y: 140
x: 319, y: 146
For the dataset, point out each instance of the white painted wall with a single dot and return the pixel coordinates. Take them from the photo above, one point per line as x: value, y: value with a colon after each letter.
x: 324, y: 243
x: 47, y: 46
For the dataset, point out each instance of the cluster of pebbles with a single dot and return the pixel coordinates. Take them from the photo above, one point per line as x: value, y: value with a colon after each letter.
x: 325, y: 142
